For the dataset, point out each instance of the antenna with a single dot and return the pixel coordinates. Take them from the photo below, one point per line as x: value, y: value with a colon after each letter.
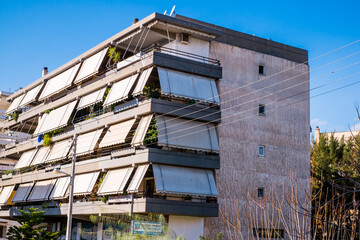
x: 172, y: 11
x: 165, y: 12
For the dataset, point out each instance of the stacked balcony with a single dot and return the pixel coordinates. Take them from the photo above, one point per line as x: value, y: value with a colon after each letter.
x: 146, y: 125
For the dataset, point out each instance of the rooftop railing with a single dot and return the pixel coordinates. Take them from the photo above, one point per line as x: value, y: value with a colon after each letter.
x: 182, y: 54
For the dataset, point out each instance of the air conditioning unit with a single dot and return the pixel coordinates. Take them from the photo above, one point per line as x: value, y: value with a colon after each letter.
x: 184, y: 38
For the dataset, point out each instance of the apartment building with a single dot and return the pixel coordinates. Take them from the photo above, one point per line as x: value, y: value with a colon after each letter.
x: 347, y: 135
x: 171, y: 116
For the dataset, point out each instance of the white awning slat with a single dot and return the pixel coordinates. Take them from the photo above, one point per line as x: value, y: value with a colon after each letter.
x: 41, y: 155
x: 15, y: 104
x: 84, y: 183
x: 117, y: 133
x: 138, y: 177
x: 187, y: 85
x: 142, y: 81
x: 120, y: 90
x: 91, y: 98
x: 5, y: 194
x: 22, y: 192
x: 115, y: 181
x: 184, y: 181
x: 59, y: 82
x: 187, y: 134
x: 59, y: 150
x: 86, y: 143
x: 141, y: 130
x: 90, y: 66
x: 60, y: 188
x: 25, y: 159
x: 31, y: 95
x: 42, y: 190
x: 57, y: 118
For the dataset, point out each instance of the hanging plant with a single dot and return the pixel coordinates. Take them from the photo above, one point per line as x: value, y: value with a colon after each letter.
x: 48, y: 137
x: 14, y: 115
x: 49, y: 111
x: 47, y: 140
x: 114, y: 55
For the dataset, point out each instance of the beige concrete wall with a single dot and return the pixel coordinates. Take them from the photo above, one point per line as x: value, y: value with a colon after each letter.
x: 284, y: 131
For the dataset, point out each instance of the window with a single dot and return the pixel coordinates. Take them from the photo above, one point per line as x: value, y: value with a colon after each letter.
x: 262, y: 109
x: 261, y: 69
x: 268, y: 233
x: 261, y: 151
x: 261, y: 193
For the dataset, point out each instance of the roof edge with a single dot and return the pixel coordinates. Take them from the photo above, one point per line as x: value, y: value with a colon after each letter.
x: 106, y: 43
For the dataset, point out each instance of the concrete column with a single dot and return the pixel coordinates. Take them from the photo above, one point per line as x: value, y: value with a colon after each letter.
x: 78, y: 231
x: 99, y: 231
x: 189, y: 227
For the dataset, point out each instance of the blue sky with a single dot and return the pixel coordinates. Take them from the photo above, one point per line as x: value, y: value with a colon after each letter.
x: 35, y: 34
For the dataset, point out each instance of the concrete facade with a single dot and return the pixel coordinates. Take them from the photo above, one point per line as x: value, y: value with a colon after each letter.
x: 283, y: 130
x: 213, y: 54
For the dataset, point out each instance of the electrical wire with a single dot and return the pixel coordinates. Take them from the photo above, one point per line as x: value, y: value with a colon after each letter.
x: 296, y: 66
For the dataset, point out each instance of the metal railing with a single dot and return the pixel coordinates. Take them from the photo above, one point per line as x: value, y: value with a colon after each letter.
x: 182, y: 54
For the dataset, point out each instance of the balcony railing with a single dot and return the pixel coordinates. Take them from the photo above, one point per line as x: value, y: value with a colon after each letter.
x: 180, y: 53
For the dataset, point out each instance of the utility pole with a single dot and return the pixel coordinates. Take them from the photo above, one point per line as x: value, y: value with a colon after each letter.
x: 71, y: 191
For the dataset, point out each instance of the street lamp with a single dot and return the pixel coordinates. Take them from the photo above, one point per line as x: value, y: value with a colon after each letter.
x: 71, y: 190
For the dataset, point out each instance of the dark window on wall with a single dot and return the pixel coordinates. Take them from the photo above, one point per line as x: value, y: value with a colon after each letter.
x: 262, y: 109
x: 261, y: 152
x: 262, y: 69
x: 261, y: 193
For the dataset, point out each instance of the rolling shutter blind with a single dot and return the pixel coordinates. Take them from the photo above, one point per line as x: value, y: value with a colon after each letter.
x: 91, y: 99
x: 142, y: 81
x: 60, y: 188
x: 184, y: 181
x: 115, y: 181
x: 59, y: 82
x: 59, y: 150
x: 25, y: 159
x: 57, y: 118
x: 120, y: 90
x: 186, y: 134
x: 117, y: 133
x: 15, y: 104
x: 22, y: 192
x: 41, y: 155
x: 187, y: 85
x: 138, y: 177
x: 84, y: 183
x: 141, y: 130
x: 31, y: 95
x: 5, y: 194
x: 90, y: 66
x: 87, y: 142
x: 42, y: 190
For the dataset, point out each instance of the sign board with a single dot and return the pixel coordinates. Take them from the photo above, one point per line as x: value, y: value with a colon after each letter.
x: 146, y: 228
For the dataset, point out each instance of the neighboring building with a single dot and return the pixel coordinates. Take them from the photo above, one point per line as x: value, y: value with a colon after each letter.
x: 347, y: 135
x: 6, y: 164
x: 149, y: 117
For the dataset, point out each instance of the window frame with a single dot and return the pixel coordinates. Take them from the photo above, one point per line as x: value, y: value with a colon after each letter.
x: 262, y: 109
x: 262, y: 67
x: 260, y: 193
x: 263, y: 151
